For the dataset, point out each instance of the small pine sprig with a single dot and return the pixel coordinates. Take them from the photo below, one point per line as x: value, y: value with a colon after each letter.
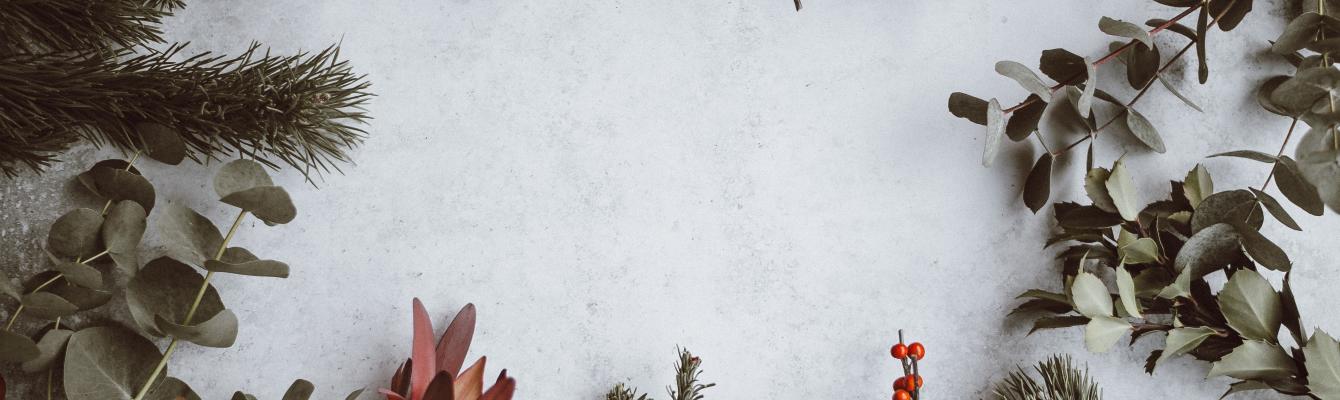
x: 33, y: 27
x: 686, y: 378
x: 1061, y: 380
x: 623, y: 392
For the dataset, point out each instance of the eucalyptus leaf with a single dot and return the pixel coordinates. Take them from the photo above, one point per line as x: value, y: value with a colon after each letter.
x: 1276, y: 209
x: 1297, y: 34
x: 16, y: 348
x: 1090, y: 296
x: 1250, y: 155
x: 1290, y: 181
x: 1264, y: 92
x: 1251, y: 306
x: 1297, y: 94
x: 1144, y: 131
x: 88, y: 181
x: 107, y: 362
x: 1321, y: 358
x: 1231, y: 206
x: 189, y: 235
x: 1039, y: 184
x: 1125, y: 29
x: 1103, y: 332
x: 170, y: 388
x: 1177, y: 93
x: 75, y: 234
x: 1122, y: 189
x: 1182, y: 340
x: 239, y: 175
x: 161, y: 143
x: 1197, y: 185
x: 1085, y: 102
x: 995, y: 128
x: 300, y: 390
x: 1319, y: 166
x: 1026, y: 78
x: 267, y: 268
x: 218, y: 331
x: 81, y: 297
x: 1262, y: 250
x: 47, y: 305
x: 1175, y: 27
x: 52, y: 347
x: 1202, y: 29
x: 166, y: 288
x: 119, y: 184
x: 1024, y: 121
x: 1070, y: 215
x: 1257, y: 360
x: 1126, y: 290
x: 1063, y: 66
x: 1095, y: 185
x: 268, y: 203
x: 966, y: 106
x: 354, y: 395
x: 124, y: 227
x: 1142, y: 65
x: 78, y: 273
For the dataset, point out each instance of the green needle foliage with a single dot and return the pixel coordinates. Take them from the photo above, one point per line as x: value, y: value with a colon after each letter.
x: 1061, y: 380
x: 687, y: 385
x: 46, y: 26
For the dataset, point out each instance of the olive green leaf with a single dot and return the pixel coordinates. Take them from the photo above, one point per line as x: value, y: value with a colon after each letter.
x: 16, y: 348
x: 1139, y: 251
x: 1178, y: 93
x: 1071, y: 215
x: 189, y: 235
x: 1299, y: 191
x: 1144, y: 131
x: 75, y: 234
x: 1245, y: 386
x: 1197, y: 185
x: 170, y: 388
x: 1125, y: 29
x: 1090, y: 296
x: 1208, y: 249
x: 1024, y: 121
x: 83, y: 298
x: 1250, y: 155
x: 1182, y: 340
x: 300, y: 390
x: 1063, y: 321
x: 77, y: 273
x: 161, y: 143
x: 1026, y: 78
x: 1297, y: 94
x: 52, y: 347
x: 88, y: 181
x: 1263, y: 95
x: 1063, y: 66
x: 354, y: 395
x: 1126, y: 290
x: 1202, y: 29
x: 166, y: 288
x: 1122, y: 189
x: 1297, y: 34
x: 47, y: 305
x: 107, y: 362
x: 1045, y: 295
x: 1263, y: 250
x: 1318, y: 163
x: 242, y: 396
x: 268, y: 203
x: 1085, y: 102
x: 1181, y: 286
x: 124, y: 228
x: 1102, y: 332
x: 1142, y: 65
x: 1038, y: 187
x: 1175, y: 27
x: 237, y: 260
x: 995, y: 128
x: 218, y: 331
x: 119, y: 184
x: 1276, y: 209
x: 1231, y: 206
x: 1251, y: 306
x: 239, y: 175
x: 966, y: 106
x: 1095, y: 184
x: 1229, y: 13
x: 1321, y: 358
x: 1254, y: 359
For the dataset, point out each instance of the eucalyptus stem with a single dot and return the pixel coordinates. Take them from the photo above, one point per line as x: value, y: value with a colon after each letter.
x: 190, y: 313
x: 19, y: 310
x: 130, y: 163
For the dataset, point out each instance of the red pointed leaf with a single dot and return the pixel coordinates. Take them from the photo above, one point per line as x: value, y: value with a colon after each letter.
x: 389, y: 395
x: 470, y: 384
x: 425, y: 365
x: 441, y: 388
x: 456, y: 341
x: 497, y: 388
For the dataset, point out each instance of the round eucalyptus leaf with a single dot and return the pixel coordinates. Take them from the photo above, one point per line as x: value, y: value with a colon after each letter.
x: 300, y: 390
x: 161, y: 142
x: 1209, y: 249
x: 108, y: 362
x: 1230, y: 206
x: 124, y: 228
x: 240, y: 175
x: 1116, y: 27
x: 1289, y: 179
x: 83, y: 298
x: 1299, y: 93
x: 52, y: 347
x: 87, y: 180
x: 16, y: 348
x: 77, y: 273
x: 1251, y: 306
x: 189, y: 235
x: 1038, y: 186
x: 268, y: 203
x: 1142, y: 65
x: 118, y: 184
x: 1297, y: 34
x: 75, y: 234
x: 968, y: 107
x: 47, y: 305
x: 166, y: 288
x: 171, y: 388
x: 218, y: 331
x: 1267, y: 88
x: 1062, y: 66
x: 1317, y: 162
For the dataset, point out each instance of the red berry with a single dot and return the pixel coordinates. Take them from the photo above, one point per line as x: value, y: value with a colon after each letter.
x: 902, y: 395
x: 916, y: 350
x: 898, y: 384
x: 910, y: 382
x: 898, y: 351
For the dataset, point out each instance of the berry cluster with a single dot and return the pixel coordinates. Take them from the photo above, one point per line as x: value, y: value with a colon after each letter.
x: 908, y: 387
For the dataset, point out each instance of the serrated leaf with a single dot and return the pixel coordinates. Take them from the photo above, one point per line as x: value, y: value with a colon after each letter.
x: 1095, y: 185
x: 995, y: 128
x: 52, y: 347
x: 75, y: 234
x: 239, y: 175
x: 1255, y: 360
x: 1103, y: 332
x: 106, y: 362
x: 47, y: 305
x: 1038, y: 186
x: 966, y: 106
x: 1290, y: 181
x: 1262, y: 250
x: 189, y: 235
x: 1126, y: 290
x: 1297, y: 34
x: 1140, y: 251
x: 166, y: 288
x: 16, y: 348
x: 1245, y: 386
x: 1090, y: 296
x: 1026, y: 78
x: 1276, y: 209
x: 268, y: 203
x: 1125, y: 29
x: 1144, y: 131
x: 219, y: 330
x: 1024, y: 121
x: 161, y: 143
x: 1182, y: 340
x: 1181, y: 286
x: 1122, y: 190
x: 1321, y: 358
x: 1197, y: 185
x: 1248, y: 154
x: 1232, y: 206
x: 1251, y: 306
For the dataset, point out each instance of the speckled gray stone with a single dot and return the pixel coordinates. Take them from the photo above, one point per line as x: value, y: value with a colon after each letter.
x: 777, y: 191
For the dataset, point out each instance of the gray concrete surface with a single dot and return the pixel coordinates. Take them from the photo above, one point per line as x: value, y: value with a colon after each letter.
x: 777, y: 191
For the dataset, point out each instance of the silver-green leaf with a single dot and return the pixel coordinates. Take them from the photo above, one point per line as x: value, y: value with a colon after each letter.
x: 1251, y: 306
x: 1255, y: 360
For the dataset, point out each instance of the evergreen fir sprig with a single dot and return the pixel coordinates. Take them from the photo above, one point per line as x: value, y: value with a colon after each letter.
x: 1061, y: 380
x: 301, y: 110
x: 623, y: 392
x: 38, y: 27
x: 687, y: 385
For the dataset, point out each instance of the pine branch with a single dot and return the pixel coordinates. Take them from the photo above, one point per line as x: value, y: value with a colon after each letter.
x: 45, y: 26
x: 1061, y: 380
x: 623, y: 392
x: 686, y: 378
x: 301, y: 110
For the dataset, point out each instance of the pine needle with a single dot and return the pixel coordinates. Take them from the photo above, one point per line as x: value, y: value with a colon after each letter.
x: 1061, y: 380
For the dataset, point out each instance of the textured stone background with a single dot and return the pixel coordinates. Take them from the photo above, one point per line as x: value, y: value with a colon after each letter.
x: 777, y: 191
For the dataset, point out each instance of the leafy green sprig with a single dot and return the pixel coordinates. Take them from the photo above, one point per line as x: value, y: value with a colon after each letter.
x: 687, y: 385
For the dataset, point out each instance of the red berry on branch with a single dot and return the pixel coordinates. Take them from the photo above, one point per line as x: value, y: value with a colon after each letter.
x: 910, y: 382
x: 898, y: 351
x: 916, y: 350
x: 902, y: 395
x: 899, y: 384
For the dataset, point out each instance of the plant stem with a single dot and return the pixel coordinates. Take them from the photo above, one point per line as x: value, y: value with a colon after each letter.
x: 19, y: 310
x: 1287, y: 135
x: 130, y: 163
x: 190, y: 314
